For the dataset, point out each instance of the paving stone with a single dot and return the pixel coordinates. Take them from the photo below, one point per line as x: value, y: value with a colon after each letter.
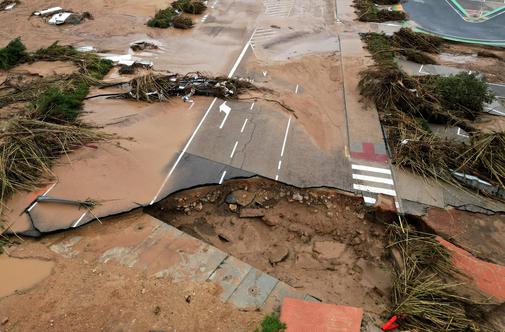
x: 185, y: 258
x: 229, y: 275
x: 487, y: 277
x: 280, y: 291
x: 304, y: 316
x: 254, y: 290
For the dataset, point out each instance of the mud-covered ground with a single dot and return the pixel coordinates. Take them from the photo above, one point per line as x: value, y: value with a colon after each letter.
x: 317, y: 240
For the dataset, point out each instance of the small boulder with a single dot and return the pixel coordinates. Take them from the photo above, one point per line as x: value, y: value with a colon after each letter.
x: 277, y: 253
x: 328, y: 249
x: 233, y: 207
x: 252, y: 213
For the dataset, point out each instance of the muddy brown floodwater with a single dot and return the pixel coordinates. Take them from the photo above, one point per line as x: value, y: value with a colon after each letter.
x: 319, y: 241
x: 21, y: 274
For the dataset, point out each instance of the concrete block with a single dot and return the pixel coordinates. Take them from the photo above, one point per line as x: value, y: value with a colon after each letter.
x: 254, y: 290
x: 229, y: 275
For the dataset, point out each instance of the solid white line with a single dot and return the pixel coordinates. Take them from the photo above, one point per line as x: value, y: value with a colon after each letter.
x: 377, y: 190
x: 252, y: 105
x: 192, y: 104
x: 277, y: 177
x: 184, y: 150
x: 285, y: 137
x: 371, y: 169
x: 296, y: 89
x: 493, y: 110
x: 497, y: 84
x: 44, y: 194
x: 222, y: 177
x: 243, y: 126
x: 279, y: 165
x: 233, y: 151
x: 79, y: 220
x: 246, y: 46
x: 372, y: 179
x: 369, y: 200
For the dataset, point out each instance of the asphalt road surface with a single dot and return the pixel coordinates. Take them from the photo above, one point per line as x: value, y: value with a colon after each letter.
x: 440, y: 17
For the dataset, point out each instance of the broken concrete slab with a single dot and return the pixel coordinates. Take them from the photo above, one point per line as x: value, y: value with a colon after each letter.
x: 482, y: 235
x: 489, y: 278
x: 251, y: 213
x: 281, y: 291
x: 302, y: 315
x: 329, y: 249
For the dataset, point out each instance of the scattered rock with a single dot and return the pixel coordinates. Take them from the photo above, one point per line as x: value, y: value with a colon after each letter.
x: 198, y: 206
x: 251, y: 213
x: 157, y: 310
x: 233, y: 207
x: 272, y: 219
x: 225, y: 235
x: 188, y: 298
x: 243, y: 198
x: 328, y: 249
x: 297, y: 197
x: 277, y: 253
x: 231, y: 199
x: 143, y: 291
x: 142, y: 45
x: 5, y: 320
x: 329, y: 214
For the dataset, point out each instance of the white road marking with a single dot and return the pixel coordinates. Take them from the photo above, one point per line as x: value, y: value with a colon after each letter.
x: 244, y: 50
x: 371, y: 169
x: 369, y: 200
x: 44, y: 194
x: 460, y: 131
x: 252, y: 105
x: 222, y: 177
x: 243, y: 126
x: 277, y: 177
x: 279, y: 165
x: 372, y: 179
x: 296, y: 89
x: 184, y: 150
x: 79, y: 220
x: 285, y: 137
x: 497, y: 84
x: 226, y: 110
x: 191, y: 106
x: 377, y: 190
x: 235, y: 66
x: 234, y: 148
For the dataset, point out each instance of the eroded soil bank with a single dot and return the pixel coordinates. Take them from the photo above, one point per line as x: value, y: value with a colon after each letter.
x: 319, y: 241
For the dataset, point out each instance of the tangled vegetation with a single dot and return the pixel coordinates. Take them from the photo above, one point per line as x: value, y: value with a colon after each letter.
x: 425, y: 282
x: 171, y: 16
x: 189, y: 6
x: 48, y: 125
x: 12, y: 54
x: 368, y: 11
x: 408, y: 104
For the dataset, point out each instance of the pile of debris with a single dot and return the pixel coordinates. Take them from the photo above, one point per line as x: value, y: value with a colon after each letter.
x: 408, y: 105
x: 58, y: 16
x: 172, y: 16
x: 8, y: 4
x: 369, y: 11
x: 46, y: 124
x: 157, y: 87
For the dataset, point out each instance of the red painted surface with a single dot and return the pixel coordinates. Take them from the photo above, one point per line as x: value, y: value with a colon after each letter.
x: 303, y: 316
x: 369, y: 154
x: 488, y: 277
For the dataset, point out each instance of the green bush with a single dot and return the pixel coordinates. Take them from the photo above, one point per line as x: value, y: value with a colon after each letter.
x: 12, y: 54
x: 162, y: 19
x: 189, y: 6
x: 464, y: 93
x: 61, y: 106
x: 271, y: 323
x: 182, y: 22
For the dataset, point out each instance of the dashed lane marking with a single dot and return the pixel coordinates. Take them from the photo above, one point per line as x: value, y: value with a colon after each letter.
x: 79, y: 220
x: 234, y: 148
x: 222, y: 177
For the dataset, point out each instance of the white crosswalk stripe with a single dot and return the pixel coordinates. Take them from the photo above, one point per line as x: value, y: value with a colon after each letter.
x: 371, y: 180
x: 278, y: 8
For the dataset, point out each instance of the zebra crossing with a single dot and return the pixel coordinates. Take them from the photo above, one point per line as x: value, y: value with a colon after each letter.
x: 262, y: 36
x: 278, y: 8
x: 371, y: 180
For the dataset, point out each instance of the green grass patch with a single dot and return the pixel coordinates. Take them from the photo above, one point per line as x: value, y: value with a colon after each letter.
x: 368, y: 11
x: 169, y: 17
x: 12, y: 54
x: 271, y: 323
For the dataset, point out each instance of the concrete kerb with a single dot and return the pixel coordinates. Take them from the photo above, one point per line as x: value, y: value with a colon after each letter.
x: 462, y: 40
